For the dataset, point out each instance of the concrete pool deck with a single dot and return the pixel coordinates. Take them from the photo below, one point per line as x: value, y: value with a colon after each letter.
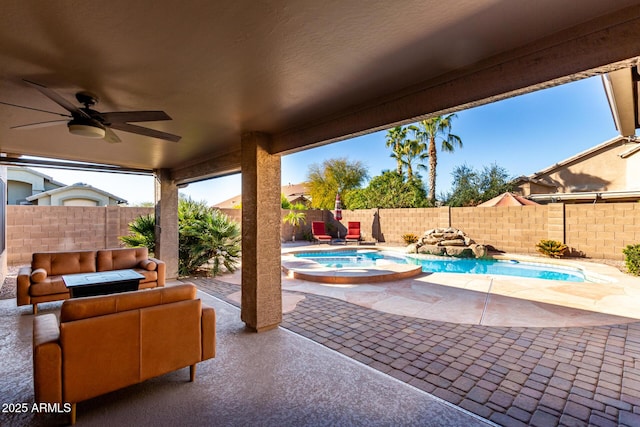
x: 487, y: 300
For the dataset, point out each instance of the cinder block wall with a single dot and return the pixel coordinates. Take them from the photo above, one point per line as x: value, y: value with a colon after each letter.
x: 600, y: 230
x: 64, y: 228
x: 595, y: 231
x: 509, y: 229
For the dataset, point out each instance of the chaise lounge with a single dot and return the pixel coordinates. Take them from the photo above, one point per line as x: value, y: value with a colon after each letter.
x: 319, y: 233
x: 42, y: 280
x: 353, y: 232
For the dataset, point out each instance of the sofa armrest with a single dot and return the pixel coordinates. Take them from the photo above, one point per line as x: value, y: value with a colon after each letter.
x: 47, y: 359
x: 208, y: 320
x: 22, y: 286
x: 161, y: 269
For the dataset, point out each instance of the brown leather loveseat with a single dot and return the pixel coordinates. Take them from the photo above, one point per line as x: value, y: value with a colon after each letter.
x: 42, y: 280
x: 108, y: 342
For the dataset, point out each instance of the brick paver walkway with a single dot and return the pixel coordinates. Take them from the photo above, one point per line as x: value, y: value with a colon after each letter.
x: 511, y: 376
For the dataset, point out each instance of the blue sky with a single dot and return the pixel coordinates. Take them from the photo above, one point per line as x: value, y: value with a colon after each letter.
x: 523, y: 134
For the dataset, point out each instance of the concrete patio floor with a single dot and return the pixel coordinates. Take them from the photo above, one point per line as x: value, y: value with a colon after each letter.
x: 569, y: 355
x: 276, y: 378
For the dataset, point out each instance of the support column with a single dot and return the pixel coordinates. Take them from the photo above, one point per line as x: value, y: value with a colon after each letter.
x: 166, y: 199
x: 261, y: 308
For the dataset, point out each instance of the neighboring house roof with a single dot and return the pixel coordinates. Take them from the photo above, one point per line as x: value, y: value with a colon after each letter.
x: 507, y: 199
x: 79, y: 185
x: 523, y: 179
x: 582, y: 155
x: 292, y: 192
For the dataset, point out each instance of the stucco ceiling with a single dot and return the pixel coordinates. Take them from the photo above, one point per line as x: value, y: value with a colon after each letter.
x: 222, y: 68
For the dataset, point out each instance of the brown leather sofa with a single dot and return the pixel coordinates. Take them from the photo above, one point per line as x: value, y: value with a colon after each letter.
x: 42, y: 281
x: 108, y: 342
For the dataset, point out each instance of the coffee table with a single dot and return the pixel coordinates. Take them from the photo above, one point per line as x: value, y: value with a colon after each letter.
x: 102, y: 283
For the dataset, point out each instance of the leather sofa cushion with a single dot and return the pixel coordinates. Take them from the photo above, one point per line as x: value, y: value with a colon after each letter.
x: 50, y: 286
x: 100, y: 355
x: 120, y: 259
x: 149, y: 276
x: 83, y: 308
x: 58, y: 263
x: 173, y: 331
x: 38, y: 275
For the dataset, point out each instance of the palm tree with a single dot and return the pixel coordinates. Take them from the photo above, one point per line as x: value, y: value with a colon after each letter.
x: 412, y: 150
x: 429, y: 131
x: 396, y: 138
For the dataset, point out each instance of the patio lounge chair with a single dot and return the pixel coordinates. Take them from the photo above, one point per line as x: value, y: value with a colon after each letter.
x: 353, y: 232
x: 319, y: 234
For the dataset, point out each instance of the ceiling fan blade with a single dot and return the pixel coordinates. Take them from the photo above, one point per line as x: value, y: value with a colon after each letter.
x: 57, y: 98
x: 34, y: 109
x: 111, y: 137
x: 134, y: 116
x: 146, y: 131
x: 40, y: 124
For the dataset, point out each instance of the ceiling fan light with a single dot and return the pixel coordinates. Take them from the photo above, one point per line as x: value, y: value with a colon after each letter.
x: 86, y: 130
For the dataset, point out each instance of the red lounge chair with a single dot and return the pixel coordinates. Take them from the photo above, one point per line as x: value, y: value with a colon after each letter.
x: 317, y: 229
x: 353, y: 232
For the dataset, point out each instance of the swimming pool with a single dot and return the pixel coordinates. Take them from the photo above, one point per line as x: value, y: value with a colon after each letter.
x: 431, y: 264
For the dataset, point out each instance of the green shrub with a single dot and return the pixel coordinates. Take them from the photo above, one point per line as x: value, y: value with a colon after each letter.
x: 632, y: 259
x: 207, y: 238
x: 409, y: 238
x: 552, y: 248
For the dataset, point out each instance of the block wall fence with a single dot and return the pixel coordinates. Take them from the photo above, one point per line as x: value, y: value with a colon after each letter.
x: 591, y: 230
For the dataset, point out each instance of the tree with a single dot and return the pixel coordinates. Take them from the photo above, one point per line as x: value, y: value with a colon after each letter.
x: 334, y: 176
x: 395, y: 138
x: 390, y: 190
x: 494, y: 181
x: 466, y: 188
x: 295, y: 219
x: 414, y: 150
x: 470, y: 187
x: 430, y: 131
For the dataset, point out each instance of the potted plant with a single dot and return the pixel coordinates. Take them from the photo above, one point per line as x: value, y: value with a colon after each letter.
x: 294, y: 219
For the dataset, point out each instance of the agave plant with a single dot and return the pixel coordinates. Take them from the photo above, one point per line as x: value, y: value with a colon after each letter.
x: 552, y: 248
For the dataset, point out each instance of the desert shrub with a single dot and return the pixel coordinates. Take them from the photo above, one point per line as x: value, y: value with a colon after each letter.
x: 632, y: 259
x: 207, y: 238
x: 143, y: 233
x: 409, y: 238
x: 551, y: 248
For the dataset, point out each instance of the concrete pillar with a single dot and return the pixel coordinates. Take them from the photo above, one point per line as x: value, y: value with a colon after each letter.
x: 166, y: 199
x: 261, y: 307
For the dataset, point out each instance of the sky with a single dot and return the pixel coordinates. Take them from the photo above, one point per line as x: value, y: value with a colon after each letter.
x: 523, y: 135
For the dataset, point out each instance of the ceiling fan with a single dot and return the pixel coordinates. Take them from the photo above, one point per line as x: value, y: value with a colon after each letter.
x: 87, y: 122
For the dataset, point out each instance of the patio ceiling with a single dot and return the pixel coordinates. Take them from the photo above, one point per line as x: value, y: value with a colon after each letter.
x: 306, y: 72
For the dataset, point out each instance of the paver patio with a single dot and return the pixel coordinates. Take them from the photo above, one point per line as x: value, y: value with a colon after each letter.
x: 513, y: 376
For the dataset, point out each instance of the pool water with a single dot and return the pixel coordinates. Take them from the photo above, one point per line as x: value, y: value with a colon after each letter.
x: 368, y: 258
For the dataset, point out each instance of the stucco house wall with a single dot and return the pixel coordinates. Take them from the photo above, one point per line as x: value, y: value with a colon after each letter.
x: 25, y: 182
x: 75, y: 195
x: 608, y: 172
